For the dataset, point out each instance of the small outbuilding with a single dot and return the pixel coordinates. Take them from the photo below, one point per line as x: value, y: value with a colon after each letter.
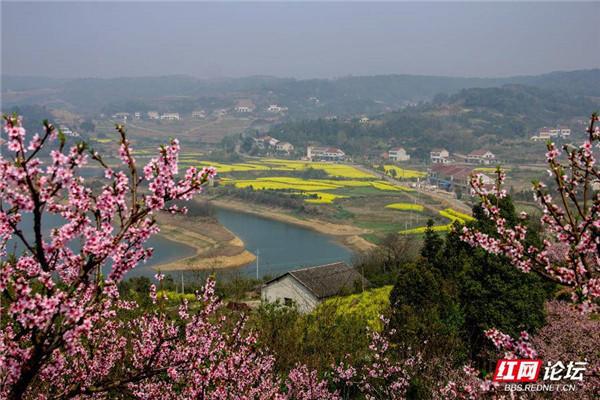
x: 307, y: 287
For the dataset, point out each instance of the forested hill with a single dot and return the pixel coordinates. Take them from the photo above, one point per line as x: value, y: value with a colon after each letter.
x: 342, y: 96
x: 467, y: 120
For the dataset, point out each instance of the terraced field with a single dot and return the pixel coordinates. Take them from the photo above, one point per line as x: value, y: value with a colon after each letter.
x: 406, y: 207
x: 271, y: 164
x: 403, y: 173
x: 357, y: 196
x: 448, y: 213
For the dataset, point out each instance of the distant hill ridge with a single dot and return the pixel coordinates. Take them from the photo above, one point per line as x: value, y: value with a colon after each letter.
x: 464, y: 121
x: 352, y: 93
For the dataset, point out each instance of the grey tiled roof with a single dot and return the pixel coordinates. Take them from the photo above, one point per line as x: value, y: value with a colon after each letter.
x: 329, y: 280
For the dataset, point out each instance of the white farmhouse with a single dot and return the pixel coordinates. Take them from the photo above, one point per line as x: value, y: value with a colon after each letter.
x: 564, y: 131
x: 244, y: 106
x: 198, y: 114
x: 274, y: 108
x: 266, y: 141
x: 306, y: 288
x: 481, y: 157
x: 170, y: 116
x: 153, y: 115
x: 121, y: 115
x: 398, y: 154
x: 545, y: 133
x: 439, y: 156
x: 68, y: 132
x: 324, y: 153
x: 284, y: 147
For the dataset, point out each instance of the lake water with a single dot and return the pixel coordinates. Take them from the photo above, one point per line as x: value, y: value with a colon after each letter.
x: 281, y: 247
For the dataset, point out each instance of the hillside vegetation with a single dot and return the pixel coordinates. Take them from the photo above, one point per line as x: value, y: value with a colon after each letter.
x: 344, y: 96
x: 462, y: 122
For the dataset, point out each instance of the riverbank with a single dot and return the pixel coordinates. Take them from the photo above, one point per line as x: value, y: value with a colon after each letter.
x: 216, y: 247
x: 347, y: 235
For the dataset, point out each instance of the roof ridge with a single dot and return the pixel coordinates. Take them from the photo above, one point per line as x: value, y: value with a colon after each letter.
x: 318, y: 266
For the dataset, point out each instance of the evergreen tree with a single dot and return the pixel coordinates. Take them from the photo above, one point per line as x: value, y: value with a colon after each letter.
x: 432, y: 244
x: 457, y: 292
x: 491, y: 291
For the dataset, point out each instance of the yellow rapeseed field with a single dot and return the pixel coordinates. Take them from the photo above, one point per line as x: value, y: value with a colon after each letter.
x: 323, y: 197
x: 383, y: 185
x: 274, y: 185
x: 449, y: 213
x: 454, y: 215
x: 422, y: 229
x: 403, y: 173
x: 340, y: 176
x: 405, y: 207
x: 489, y: 169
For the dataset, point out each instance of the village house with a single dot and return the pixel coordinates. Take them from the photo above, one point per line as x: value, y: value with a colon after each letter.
x: 121, y: 116
x: 284, y: 147
x: 198, y: 114
x: 274, y: 108
x: 220, y: 112
x: 170, y: 116
x: 307, y: 287
x: 244, y: 106
x: 546, y: 133
x: 439, y: 156
x: 266, y: 141
x: 398, y: 154
x: 324, y: 153
x: 564, y: 131
x: 153, y: 115
x: 481, y: 157
x: 68, y: 132
x: 364, y: 120
x: 137, y: 115
x: 451, y: 177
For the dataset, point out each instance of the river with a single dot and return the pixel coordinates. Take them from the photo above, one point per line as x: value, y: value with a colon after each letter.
x: 280, y: 246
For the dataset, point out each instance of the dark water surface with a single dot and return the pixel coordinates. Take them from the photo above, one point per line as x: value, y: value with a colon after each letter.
x: 281, y: 247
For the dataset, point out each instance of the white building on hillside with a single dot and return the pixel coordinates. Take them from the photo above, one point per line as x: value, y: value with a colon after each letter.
x: 307, y: 287
x: 284, y: 147
x: 398, y: 154
x: 274, y: 108
x: 170, y: 116
x: 153, y: 115
x: 68, y: 132
x: 564, y: 131
x: 198, y: 114
x: 439, y: 156
x: 324, y: 153
x: 123, y: 116
x: 547, y: 133
x: 481, y: 156
x: 244, y: 106
x: 266, y: 141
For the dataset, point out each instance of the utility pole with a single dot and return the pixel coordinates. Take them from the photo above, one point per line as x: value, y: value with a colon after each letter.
x: 182, y: 288
x: 257, y: 255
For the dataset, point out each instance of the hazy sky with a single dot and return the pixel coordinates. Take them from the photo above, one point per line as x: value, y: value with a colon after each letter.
x: 110, y: 39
